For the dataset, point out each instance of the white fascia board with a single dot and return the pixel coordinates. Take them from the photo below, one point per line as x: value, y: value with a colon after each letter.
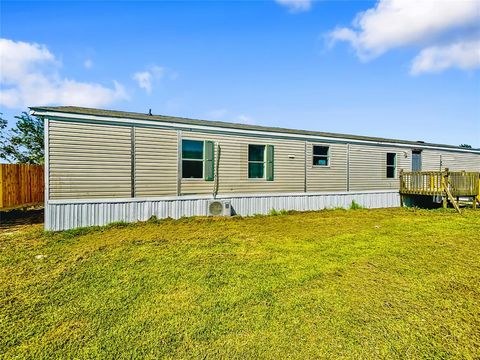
x: 208, y: 128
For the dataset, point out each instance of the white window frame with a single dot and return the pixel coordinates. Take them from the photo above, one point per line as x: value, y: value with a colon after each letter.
x: 264, y: 162
x: 394, y: 165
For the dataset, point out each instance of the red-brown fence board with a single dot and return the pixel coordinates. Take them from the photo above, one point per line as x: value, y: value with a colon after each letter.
x: 21, y: 185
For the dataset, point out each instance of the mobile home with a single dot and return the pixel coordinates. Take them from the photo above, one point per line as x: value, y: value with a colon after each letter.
x: 103, y: 166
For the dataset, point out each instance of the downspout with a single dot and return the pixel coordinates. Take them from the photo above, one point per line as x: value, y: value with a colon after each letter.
x: 305, y: 168
x: 216, y: 175
x: 348, y: 167
x: 46, y: 167
x: 179, y: 162
x: 132, y: 163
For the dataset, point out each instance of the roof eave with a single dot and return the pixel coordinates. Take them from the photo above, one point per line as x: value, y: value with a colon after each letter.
x: 42, y: 111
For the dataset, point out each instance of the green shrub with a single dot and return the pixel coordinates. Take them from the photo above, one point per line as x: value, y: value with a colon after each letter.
x: 355, y: 206
x: 153, y: 220
x: 273, y: 212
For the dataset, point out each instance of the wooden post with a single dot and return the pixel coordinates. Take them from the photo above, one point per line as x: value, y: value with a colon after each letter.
x: 448, y: 194
x: 451, y: 197
x: 444, y: 189
x: 478, y: 196
x: 401, y: 187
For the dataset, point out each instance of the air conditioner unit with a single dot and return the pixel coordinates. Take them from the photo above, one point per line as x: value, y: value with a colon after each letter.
x: 219, y: 208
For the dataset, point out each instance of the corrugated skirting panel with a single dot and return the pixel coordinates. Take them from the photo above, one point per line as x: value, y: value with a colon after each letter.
x: 72, y: 214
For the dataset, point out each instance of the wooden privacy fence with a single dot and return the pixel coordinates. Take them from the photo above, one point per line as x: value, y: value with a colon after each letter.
x: 21, y: 185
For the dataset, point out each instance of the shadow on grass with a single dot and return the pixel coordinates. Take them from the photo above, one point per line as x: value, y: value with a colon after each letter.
x: 14, y: 218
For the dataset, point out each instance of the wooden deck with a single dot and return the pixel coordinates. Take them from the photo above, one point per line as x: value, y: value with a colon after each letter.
x: 450, y: 185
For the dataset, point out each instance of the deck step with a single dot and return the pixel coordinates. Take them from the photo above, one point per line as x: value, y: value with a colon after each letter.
x: 465, y: 203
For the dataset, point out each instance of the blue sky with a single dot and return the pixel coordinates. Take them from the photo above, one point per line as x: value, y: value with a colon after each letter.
x: 288, y: 63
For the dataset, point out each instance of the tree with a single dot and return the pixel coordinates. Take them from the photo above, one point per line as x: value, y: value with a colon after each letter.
x: 466, y: 146
x: 23, y: 144
x: 3, y: 126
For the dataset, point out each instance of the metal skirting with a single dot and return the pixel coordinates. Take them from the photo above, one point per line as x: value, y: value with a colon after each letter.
x: 69, y: 214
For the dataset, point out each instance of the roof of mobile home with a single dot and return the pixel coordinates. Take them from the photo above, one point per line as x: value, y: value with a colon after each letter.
x: 95, y: 114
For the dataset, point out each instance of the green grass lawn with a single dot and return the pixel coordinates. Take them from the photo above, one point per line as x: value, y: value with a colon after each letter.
x: 391, y: 283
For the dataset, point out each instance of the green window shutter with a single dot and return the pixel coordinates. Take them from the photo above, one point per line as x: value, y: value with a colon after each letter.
x: 270, y: 165
x: 209, y: 160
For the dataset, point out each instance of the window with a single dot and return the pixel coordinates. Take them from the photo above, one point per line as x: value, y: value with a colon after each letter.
x: 260, y: 162
x: 320, y: 155
x: 391, y: 165
x: 192, y: 159
x: 256, y: 161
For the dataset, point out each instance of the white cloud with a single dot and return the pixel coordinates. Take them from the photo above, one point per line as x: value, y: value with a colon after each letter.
x: 296, y: 6
x: 224, y: 115
x: 29, y: 76
x: 145, y: 78
x: 396, y: 23
x: 463, y: 55
x: 428, y: 25
x: 88, y: 64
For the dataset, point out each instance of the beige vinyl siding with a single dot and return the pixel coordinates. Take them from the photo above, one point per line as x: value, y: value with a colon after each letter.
x: 431, y: 160
x: 327, y: 178
x: 89, y: 160
x: 451, y: 160
x: 233, y: 172
x: 368, y: 167
x: 94, y: 161
x: 465, y: 161
x: 155, y: 162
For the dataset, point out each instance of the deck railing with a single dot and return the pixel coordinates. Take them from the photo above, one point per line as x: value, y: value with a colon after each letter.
x: 459, y: 183
x: 449, y: 185
x: 421, y: 182
x: 464, y: 183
